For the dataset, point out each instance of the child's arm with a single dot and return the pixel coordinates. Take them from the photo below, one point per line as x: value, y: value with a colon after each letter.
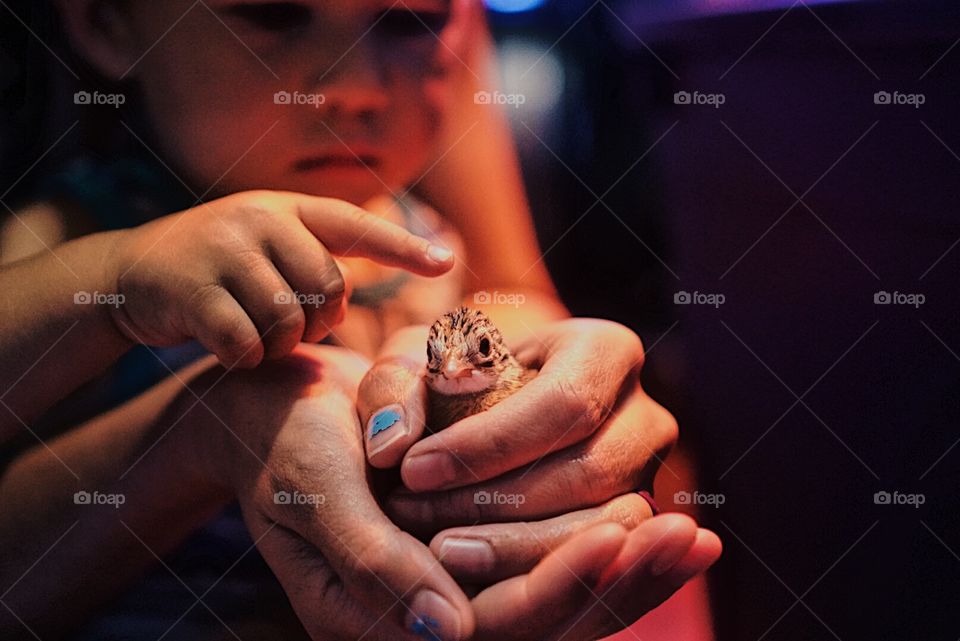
x: 52, y: 338
x: 84, y: 553
x: 249, y: 276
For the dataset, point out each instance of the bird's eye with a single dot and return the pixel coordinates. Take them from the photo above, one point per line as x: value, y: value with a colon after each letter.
x: 485, y: 346
x: 429, y: 352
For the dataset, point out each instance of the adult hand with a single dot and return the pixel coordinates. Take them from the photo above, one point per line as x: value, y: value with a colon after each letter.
x: 285, y: 439
x: 566, y: 451
x: 597, y: 582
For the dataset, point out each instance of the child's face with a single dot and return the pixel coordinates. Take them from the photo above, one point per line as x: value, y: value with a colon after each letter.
x: 287, y: 95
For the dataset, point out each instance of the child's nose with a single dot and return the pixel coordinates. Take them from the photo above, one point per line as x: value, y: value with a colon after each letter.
x: 356, y: 83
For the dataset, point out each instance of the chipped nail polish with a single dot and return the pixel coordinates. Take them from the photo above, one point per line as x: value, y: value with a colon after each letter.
x: 384, y: 419
x: 426, y: 628
x: 385, y: 427
x: 433, y: 617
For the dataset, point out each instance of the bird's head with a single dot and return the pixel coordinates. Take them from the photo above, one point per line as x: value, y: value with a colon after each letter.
x: 465, y: 353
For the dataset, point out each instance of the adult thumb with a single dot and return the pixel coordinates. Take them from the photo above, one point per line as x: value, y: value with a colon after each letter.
x: 392, y: 398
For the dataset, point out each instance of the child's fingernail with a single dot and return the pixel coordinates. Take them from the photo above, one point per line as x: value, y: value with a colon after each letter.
x: 385, y: 427
x: 472, y: 556
x: 433, y: 617
x: 428, y: 471
x: 439, y: 254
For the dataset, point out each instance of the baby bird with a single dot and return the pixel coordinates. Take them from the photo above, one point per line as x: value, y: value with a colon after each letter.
x: 469, y: 368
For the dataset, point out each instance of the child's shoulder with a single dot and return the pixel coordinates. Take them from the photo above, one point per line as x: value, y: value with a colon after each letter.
x: 32, y: 229
x: 87, y: 194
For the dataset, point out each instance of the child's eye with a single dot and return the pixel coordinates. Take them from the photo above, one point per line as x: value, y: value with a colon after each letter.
x: 403, y: 23
x: 272, y: 16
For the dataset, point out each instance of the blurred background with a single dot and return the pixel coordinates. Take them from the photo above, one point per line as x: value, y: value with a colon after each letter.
x: 779, y: 165
x: 767, y: 192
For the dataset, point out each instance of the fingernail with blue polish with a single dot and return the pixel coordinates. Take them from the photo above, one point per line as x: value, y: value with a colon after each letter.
x: 433, y: 617
x: 386, y: 425
x: 426, y: 628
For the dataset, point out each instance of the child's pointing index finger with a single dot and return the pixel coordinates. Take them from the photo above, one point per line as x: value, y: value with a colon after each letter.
x: 348, y: 230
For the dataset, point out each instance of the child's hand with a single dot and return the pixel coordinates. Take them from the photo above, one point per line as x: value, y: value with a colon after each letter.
x: 252, y: 274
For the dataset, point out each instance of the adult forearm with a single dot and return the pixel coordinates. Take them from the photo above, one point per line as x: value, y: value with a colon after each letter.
x: 476, y: 181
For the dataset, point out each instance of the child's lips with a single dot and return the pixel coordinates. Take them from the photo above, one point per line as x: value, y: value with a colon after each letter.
x: 337, y: 161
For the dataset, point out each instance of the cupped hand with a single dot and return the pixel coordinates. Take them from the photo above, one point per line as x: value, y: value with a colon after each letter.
x: 285, y: 440
x: 581, y: 435
x: 587, y: 393
x: 598, y: 582
x: 252, y: 274
x: 534, y: 485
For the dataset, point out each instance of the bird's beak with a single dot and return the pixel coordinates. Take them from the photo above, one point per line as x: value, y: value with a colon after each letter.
x: 455, y: 368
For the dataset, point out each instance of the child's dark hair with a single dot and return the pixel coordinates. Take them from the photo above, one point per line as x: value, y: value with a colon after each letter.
x: 40, y: 124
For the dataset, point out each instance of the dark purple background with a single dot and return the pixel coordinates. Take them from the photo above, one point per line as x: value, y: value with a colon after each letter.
x: 799, y: 518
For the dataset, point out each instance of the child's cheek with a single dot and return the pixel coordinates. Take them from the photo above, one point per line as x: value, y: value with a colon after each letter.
x: 423, y: 94
x: 415, y: 134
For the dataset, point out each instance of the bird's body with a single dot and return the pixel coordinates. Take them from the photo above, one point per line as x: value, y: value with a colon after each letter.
x: 469, y: 368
